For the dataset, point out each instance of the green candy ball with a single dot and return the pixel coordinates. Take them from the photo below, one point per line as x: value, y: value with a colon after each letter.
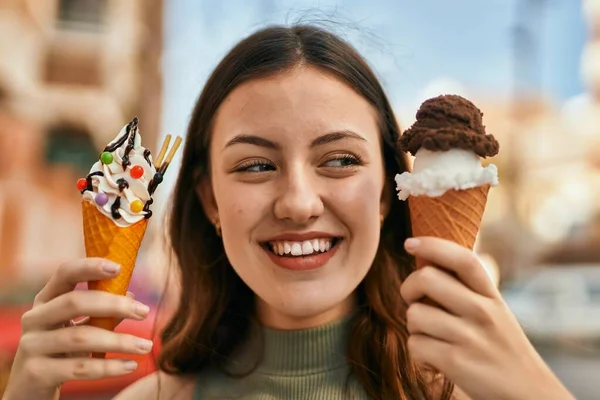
x: 106, y: 158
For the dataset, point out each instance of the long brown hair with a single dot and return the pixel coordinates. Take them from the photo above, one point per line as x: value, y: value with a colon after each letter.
x: 213, y: 313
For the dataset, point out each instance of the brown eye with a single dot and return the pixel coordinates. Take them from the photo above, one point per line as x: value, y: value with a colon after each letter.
x: 255, y: 166
x: 343, y: 161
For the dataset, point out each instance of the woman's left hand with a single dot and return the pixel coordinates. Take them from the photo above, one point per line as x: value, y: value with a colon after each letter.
x: 470, y: 335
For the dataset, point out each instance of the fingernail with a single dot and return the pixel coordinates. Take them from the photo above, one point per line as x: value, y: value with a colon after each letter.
x: 411, y: 244
x: 130, y: 365
x: 144, y: 345
x: 141, y: 309
x: 111, y: 268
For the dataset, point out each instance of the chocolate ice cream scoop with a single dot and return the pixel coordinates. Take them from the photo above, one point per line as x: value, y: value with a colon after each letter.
x: 449, y: 122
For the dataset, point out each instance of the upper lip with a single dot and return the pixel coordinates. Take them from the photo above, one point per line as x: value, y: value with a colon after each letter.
x: 299, y: 237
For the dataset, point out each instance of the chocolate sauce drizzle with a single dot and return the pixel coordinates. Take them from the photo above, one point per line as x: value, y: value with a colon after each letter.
x: 112, y: 147
x: 147, y: 154
x: 157, y: 179
x: 114, y: 209
x: 123, y: 184
x: 130, y: 144
x: 147, y: 208
x: 88, y: 180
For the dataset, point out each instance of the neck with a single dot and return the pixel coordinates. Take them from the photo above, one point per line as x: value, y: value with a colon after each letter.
x: 284, y: 352
x: 277, y: 319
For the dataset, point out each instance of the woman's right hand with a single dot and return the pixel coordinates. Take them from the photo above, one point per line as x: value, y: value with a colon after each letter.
x: 53, y: 349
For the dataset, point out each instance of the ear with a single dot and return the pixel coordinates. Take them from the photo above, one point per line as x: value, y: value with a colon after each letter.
x: 206, y: 196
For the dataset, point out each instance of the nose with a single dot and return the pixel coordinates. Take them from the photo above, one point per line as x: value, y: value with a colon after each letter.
x: 298, y: 200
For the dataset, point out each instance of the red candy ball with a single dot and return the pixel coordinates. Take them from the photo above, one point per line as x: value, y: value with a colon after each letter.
x: 137, y: 171
x: 81, y: 184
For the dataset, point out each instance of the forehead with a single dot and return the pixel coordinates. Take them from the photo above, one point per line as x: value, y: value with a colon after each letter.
x: 303, y: 99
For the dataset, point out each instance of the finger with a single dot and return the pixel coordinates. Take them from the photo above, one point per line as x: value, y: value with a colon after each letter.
x: 69, y: 274
x: 131, y: 296
x: 430, y: 352
x: 82, y: 339
x: 86, y: 320
x: 431, y: 321
x: 56, y: 371
x: 92, y: 303
x: 441, y: 287
x: 460, y: 260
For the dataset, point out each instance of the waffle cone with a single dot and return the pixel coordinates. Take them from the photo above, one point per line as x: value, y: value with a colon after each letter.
x: 103, y: 238
x: 456, y: 215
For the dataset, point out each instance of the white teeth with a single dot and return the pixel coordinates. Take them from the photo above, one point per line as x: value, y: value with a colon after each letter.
x: 306, y: 247
x: 296, y: 249
x: 315, y: 244
x: 322, y: 245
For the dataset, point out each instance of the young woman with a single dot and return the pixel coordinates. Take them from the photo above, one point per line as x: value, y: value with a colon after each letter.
x: 296, y: 272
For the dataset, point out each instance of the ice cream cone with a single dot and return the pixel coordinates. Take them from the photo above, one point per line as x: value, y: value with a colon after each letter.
x: 456, y: 215
x: 103, y: 238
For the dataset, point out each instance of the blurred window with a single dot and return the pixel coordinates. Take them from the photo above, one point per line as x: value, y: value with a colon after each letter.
x: 66, y: 144
x: 70, y: 67
x: 594, y: 293
x: 81, y: 15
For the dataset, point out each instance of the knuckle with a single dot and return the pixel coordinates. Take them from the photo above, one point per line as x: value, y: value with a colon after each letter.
x: 482, y: 313
x: 428, y: 274
x: 82, y: 368
x: 474, y: 264
x: 63, y: 270
x: 412, y: 312
x: 38, y: 299
x: 78, y: 337
x: 25, y: 345
x: 73, y: 302
x: 26, y: 320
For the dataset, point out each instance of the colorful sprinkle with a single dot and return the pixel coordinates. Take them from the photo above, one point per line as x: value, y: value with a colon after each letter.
x: 106, y: 158
x: 136, y: 206
x: 81, y: 184
x: 101, y: 199
x: 136, y: 172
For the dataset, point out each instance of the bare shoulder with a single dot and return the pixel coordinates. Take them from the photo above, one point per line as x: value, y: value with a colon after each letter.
x: 171, y: 388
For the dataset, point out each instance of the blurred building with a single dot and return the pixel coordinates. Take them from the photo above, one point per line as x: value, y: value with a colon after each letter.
x: 547, y: 206
x: 72, y: 73
x: 590, y: 68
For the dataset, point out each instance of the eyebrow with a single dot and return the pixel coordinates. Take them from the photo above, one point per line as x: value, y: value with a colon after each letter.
x: 269, y: 144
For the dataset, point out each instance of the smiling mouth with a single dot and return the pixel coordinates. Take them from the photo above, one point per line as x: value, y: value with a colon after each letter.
x: 285, y: 248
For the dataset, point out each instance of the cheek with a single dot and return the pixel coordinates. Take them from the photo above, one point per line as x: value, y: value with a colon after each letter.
x: 357, y: 203
x: 241, y: 207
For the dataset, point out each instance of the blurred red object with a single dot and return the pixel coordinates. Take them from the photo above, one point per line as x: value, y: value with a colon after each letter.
x: 10, y: 321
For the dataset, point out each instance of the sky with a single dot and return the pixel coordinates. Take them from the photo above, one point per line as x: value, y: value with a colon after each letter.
x: 416, y: 47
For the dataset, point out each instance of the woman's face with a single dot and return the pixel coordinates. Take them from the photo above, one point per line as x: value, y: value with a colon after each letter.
x: 297, y: 180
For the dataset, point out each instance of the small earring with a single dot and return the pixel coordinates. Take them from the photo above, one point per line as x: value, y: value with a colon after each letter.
x: 218, y: 228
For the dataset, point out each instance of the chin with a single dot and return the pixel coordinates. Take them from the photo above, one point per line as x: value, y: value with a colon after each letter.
x: 321, y: 305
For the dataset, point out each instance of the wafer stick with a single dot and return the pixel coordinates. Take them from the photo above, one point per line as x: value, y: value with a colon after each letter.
x: 173, y: 150
x: 162, y: 152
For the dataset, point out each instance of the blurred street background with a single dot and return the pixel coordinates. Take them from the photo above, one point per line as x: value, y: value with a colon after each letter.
x: 73, y: 72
